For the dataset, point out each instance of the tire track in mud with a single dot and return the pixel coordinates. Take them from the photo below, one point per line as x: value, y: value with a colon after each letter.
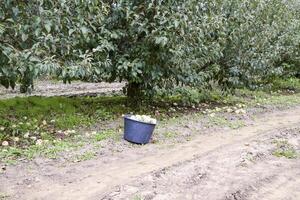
x: 282, y: 185
x: 281, y: 176
x: 223, y: 175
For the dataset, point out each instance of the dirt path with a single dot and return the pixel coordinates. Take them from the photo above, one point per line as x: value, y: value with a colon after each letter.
x: 232, y: 172
x: 50, y: 88
x: 216, y: 153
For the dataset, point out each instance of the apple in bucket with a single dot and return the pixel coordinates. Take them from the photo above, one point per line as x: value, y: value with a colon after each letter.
x: 138, y: 128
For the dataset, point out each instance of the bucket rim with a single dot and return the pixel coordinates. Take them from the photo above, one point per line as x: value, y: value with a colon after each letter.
x: 128, y: 118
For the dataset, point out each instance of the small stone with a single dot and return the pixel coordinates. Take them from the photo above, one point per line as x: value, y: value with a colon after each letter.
x: 39, y: 142
x: 172, y: 110
x: 66, y: 133
x: 26, y: 135
x: 5, y: 143
x: 33, y: 138
x: 148, y: 194
x: 2, y: 169
x: 186, y: 134
x: 229, y: 110
x: 157, y: 113
x: 45, y: 141
x: 240, y: 111
x: 131, y: 189
x: 217, y: 109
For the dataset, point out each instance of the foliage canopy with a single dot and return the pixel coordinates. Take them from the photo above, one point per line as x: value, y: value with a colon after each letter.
x: 150, y: 44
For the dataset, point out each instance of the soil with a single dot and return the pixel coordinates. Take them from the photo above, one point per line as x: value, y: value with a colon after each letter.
x: 214, y: 164
x: 51, y: 88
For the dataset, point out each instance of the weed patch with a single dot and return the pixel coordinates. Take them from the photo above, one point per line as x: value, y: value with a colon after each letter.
x: 85, y: 156
x: 105, y: 135
x: 11, y: 155
x: 284, y: 149
x: 290, y: 84
x: 3, y: 196
x: 224, y: 122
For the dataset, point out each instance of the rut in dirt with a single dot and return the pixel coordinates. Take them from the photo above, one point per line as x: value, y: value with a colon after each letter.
x: 240, y: 171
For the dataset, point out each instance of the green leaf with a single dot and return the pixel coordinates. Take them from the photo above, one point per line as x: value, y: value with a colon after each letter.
x: 161, y: 40
x: 48, y: 27
x: 176, y: 23
x: 24, y: 37
x: 84, y: 30
x: 71, y: 31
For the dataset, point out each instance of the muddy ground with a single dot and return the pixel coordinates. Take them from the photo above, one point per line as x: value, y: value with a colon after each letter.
x: 202, y: 162
x: 52, y: 88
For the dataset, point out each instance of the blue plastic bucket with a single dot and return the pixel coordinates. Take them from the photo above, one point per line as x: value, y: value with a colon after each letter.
x: 136, y: 131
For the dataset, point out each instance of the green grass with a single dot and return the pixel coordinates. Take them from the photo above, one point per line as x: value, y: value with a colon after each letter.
x: 169, y: 135
x: 26, y: 121
x: 106, y: 134
x: 253, y: 98
x: 54, y: 148
x: 36, y: 115
x: 224, y: 122
x: 85, y: 156
x: 286, y: 84
x: 10, y: 155
x: 49, y: 108
x: 137, y: 197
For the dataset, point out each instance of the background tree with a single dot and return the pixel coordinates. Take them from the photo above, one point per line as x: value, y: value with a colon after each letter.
x: 150, y: 44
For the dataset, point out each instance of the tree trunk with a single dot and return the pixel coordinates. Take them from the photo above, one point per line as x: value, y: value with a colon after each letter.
x: 134, y: 93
